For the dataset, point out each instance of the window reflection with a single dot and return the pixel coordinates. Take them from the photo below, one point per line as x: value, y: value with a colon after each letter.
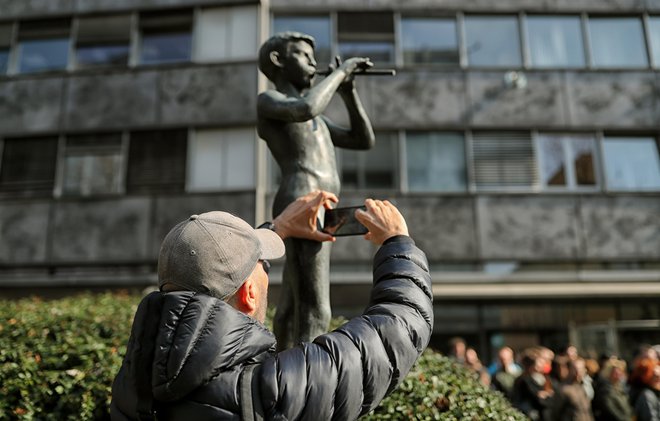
x: 631, y: 163
x: 316, y: 26
x: 366, y: 35
x: 166, y: 37
x: 43, y: 45
x: 567, y: 160
x: 4, y: 61
x: 435, y: 161
x: 492, y: 41
x: 92, y: 165
x: 375, y: 168
x: 429, y: 40
x: 555, y: 41
x: 617, y: 42
x: 103, y: 41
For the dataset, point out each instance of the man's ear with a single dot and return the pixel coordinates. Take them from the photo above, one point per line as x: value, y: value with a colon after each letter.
x: 275, y: 59
x: 246, y: 297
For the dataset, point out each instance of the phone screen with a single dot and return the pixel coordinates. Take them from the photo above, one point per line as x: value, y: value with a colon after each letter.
x: 341, y: 221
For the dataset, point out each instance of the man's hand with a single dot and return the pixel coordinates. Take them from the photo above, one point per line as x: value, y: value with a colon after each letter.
x: 382, y: 219
x: 298, y: 220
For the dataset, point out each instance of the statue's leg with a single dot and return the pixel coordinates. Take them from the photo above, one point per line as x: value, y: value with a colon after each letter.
x: 310, y: 287
x: 283, y: 320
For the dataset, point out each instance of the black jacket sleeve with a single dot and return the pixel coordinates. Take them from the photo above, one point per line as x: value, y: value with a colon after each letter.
x: 346, y: 373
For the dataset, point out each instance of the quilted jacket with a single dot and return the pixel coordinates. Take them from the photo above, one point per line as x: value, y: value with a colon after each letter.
x: 189, y: 350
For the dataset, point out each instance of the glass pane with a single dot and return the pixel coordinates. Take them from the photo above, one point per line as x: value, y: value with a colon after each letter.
x: 316, y: 26
x: 654, y: 34
x: 617, y: 42
x: 43, y: 55
x: 99, y: 55
x: 92, y: 174
x: 239, y: 159
x: 157, y: 161
x: 492, y: 41
x: 375, y: 168
x: 553, y: 165
x: 429, y: 40
x: 165, y: 47
x: 4, y: 61
x: 555, y: 41
x: 28, y: 164
x: 631, y: 163
x: 106, y: 28
x: 5, y: 35
x: 436, y: 162
x: 350, y: 169
x: 378, y: 52
x: 582, y: 155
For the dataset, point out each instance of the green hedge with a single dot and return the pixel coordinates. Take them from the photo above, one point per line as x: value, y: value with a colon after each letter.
x: 58, y: 359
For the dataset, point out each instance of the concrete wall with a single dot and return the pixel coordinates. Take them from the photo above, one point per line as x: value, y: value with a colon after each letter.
x: 219, y: 95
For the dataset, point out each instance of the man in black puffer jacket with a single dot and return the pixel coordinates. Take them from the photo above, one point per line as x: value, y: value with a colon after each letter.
x: 199, y: 351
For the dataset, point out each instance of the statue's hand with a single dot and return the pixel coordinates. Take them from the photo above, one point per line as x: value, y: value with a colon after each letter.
x: 382, y: 219
x: 298, y: 220
x: 350, y: 67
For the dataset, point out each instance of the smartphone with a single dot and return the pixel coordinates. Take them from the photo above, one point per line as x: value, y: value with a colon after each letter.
x: 341, y: 221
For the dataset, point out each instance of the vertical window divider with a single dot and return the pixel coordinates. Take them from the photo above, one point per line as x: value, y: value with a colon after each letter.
x: 403, y: 162
x: 123, y: 174
x: 524, y: 45
x: 538, y: 155
x: 189, y: 154
x: 584, y: 19
x: 12, y: 66
x: 601, y: 158
x: 334, y: 40
x: 58, y: 186
x: 567, y: 149
x: 647, y: 40
x: 194, y: 34
x: 469, y: 161
x: 398, y: 40
x: 135, y: 41
x: 462, y: 40
x: 73, y: 38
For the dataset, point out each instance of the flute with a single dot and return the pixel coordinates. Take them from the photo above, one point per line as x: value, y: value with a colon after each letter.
x: 367, y: 72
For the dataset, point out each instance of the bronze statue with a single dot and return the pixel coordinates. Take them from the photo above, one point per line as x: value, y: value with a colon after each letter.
x: 302, y: 142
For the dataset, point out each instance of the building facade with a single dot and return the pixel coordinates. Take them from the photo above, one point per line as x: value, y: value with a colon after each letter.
x: 520, y: 139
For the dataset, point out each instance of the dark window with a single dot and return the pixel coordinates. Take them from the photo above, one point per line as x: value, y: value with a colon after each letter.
x: 429, y: 40
x: 28, y: 165
x: 366, y: 35
x: 103, y: 41
x: 166, y: 37
x: 5, y: 44
x: 503, y: 160
x: 316, y: 26
x: 375, y: 168
x: 157, y: 161
x: 43, y: 45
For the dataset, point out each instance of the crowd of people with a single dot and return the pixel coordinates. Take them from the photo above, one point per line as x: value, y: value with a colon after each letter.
x: 567, y: 387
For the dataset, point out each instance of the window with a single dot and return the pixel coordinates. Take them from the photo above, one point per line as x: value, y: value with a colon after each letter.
x: 29, y: 165
x: 316, y: 26
x: 375, y: 168
x: 566, y: 161
x: 92, y: 165
x: 43, y: 45
x: 103, y: 41
x: 503, y: 159
x: 226, y: 33
x: 157, y: 161
x: 654, y: 41
x: 166, y: 37
x: 631, y: 163
x: 435, y: 161
x: 555, y: 41
x: 221, y: 159
x: 617, y: 42
x: 429, y: 41
x: 492, y: 41
x: 5, y: 44
x: 366, y: 35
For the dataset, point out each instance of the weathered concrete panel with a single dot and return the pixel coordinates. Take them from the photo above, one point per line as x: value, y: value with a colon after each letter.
x: 492, y: 103
x: 23, y: 229
x: 117, y: 100
x: 30, y: 105
x: 100, y: 231
x: 615, y: 99
x: 25, y: 8
x: 108, y: 5
x: 170, y: 210
x: 653, y: 5
x: 528, y: 227
x: 621, y: 227
x: 224, y: 94
x: 417, y: 99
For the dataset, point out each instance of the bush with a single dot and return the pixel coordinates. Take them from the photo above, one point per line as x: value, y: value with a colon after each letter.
x: 58, y: 359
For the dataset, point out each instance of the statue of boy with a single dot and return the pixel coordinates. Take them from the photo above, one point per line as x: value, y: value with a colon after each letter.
x: 302, y: 142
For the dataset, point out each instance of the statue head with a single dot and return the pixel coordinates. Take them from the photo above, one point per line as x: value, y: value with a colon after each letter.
x: 276, y: 48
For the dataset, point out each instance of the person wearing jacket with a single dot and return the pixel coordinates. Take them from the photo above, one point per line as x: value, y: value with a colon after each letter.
x: 199, y: 351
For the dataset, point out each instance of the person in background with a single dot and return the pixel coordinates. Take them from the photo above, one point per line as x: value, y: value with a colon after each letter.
x: 473, y: 363
x: 504, y: 372
x: 571, y: 402
x: 457, y: 348
x: 645, y: 389
x: 533, y: 392
x: 610, y: 401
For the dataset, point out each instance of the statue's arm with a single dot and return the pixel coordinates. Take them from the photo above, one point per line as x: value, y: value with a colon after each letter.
x: 361, y: 134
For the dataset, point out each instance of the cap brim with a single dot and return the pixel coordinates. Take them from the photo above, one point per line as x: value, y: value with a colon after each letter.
x: 272, y: 246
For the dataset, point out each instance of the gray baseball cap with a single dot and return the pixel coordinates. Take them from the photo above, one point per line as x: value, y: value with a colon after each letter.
x: 214, y: 253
